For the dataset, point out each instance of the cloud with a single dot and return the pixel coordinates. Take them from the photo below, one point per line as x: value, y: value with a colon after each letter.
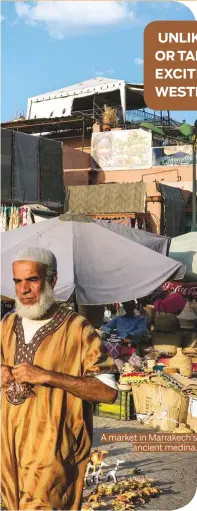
x: 109, y: 71
x: 2, y: 18
x: 104, y: 72
x: 191, y: 5
x: 65, y: 18
x: 138, y: 61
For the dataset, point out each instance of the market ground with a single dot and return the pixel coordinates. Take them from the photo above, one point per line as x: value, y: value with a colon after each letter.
x: 175, y: 473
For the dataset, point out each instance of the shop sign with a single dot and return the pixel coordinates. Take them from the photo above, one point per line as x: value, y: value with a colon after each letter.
x: 172, y: 155
x: 188, y: 289
x: 122, y: 149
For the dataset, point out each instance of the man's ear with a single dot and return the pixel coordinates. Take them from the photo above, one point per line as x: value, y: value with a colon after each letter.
x: 53, y: 283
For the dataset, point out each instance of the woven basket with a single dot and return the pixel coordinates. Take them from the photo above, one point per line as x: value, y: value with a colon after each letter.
x: 166, y: 322
x: 194, y: 307
x: 182, y: 363
x: 191, y: 347
x: 187, y: 318
x: 166, y: 343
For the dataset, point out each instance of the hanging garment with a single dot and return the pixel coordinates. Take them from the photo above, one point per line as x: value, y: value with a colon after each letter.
x: 24, y: 218
x: 29, y: 217
x: 15, y: 219
x: 1, y: 219
x: 20, y: 217
x: 11, y: 219
x: 4, y: 225
x: 174, y: 225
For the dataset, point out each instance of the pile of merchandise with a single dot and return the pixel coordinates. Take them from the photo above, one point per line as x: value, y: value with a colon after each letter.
x: 121, y: 496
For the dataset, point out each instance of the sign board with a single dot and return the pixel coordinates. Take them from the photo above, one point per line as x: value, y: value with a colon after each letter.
x: 185, y: 288
x: 122, y: 149
x: 172, y: 155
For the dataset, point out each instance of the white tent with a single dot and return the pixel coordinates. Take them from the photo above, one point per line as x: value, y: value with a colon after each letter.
x: 62, y: 102
x: 184, y: 249
x: 101, y: 265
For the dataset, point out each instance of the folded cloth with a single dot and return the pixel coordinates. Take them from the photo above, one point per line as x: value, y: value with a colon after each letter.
x: 113, y: 348
x: 173, y: 304
x: 127, y: 351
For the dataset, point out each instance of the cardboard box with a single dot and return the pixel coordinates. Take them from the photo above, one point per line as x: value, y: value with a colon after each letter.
x: 166, y: 406
x: 192, y: 413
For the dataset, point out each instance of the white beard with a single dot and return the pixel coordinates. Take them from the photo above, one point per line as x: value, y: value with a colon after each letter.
x: 37, y: 310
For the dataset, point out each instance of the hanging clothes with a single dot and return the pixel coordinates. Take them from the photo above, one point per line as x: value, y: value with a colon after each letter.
x: 11, y: 219
x: 29, y: 217
x: 20, y: 217
x: 4, y: 226
x: 1, y: 219
x: 15, y: 218
x: 143, y: 225
x: 24, y: 217
x: 136, y: 223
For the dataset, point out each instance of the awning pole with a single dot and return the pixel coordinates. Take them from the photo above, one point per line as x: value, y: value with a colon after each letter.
x: 123, y: 100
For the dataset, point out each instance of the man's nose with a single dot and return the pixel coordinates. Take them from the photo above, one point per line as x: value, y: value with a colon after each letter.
x: 25, y: 288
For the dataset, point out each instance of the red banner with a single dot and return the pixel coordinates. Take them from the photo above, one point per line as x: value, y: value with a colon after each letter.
x: 185, y: 288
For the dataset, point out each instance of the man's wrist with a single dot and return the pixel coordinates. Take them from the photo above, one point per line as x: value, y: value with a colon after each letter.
x: 47, y: 377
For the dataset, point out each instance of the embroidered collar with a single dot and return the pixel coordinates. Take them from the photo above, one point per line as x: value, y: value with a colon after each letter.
x: 26, y: 352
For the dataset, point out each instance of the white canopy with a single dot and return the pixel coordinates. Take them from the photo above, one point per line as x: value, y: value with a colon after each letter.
x: 184, y: 249
x: 101, y: 265
x: 62, y: 102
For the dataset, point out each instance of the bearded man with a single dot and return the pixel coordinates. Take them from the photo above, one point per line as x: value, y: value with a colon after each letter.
x: 53, y: 368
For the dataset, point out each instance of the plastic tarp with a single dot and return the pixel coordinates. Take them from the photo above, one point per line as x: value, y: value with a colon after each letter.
x: 174, y: 210
x: 31, y: 169
x: 25, y: 167
x: 51, y: 174
x: 184, y: 249
x: 6, y: 164
x: 101, y: 265
x: 155, y: 242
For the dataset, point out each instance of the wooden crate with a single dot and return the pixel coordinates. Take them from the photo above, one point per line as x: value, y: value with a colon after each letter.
x: 122, y: 409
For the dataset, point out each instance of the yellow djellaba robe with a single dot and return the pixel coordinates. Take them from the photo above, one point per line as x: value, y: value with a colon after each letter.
x: 46, y: 440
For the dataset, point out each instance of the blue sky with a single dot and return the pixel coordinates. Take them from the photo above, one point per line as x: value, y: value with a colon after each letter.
x: 49, y: 45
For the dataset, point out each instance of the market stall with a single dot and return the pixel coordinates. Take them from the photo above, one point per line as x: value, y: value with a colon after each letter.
x: 158, y: 374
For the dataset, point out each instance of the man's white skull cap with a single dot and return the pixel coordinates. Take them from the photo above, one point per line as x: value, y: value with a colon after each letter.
x: 37, y: 255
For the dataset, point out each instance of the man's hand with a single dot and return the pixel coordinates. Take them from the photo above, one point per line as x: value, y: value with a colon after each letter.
x: 128, y: 339
x: 28, y: 373
x: 6, y: 376
x: 88, y: 388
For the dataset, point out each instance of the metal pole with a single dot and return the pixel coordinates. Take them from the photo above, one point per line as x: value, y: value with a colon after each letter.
x: 194, y: 190
x: 83, y: 134
x: 94, y: 108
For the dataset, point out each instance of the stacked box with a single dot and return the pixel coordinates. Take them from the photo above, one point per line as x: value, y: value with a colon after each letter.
x: 122, y: 409
x: 164, y: 407
x: 192, y: 413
